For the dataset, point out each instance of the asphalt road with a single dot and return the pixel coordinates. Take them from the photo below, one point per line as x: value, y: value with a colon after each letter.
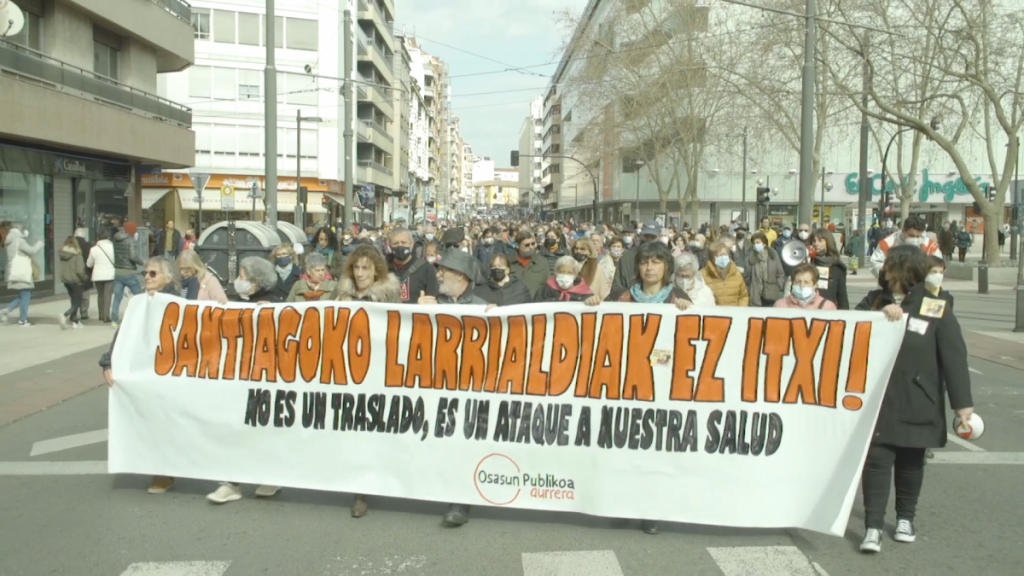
x: 62, y: 514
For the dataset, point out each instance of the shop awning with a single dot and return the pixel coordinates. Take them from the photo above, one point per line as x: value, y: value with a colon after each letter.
x: 314, y: 203
x: 211, y: 201
x: 339, y: 198
x: 151, y: 196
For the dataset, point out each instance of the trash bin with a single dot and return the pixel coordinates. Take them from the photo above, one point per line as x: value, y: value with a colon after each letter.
x: 291, y: 233
x: 224, y: 245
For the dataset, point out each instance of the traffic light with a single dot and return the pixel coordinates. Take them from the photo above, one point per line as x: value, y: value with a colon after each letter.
x: 515, y: 158
x: 763, y: 195
x: 324, y: 201
x: 303, y: 191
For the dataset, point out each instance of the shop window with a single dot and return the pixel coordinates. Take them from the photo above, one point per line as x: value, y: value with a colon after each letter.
x: 23, y: 204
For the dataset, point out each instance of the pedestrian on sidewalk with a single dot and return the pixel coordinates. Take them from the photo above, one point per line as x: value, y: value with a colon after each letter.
x: 101, y: 261
x: 963, y: 243
x: 126, y: 258
x: 22, y: 273
x: 82, y: 237
x: 74, y: 277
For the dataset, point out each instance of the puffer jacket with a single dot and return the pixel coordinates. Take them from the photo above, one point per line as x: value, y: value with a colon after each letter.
x: 72, y: 267
x: 126, y: 256
x: 17, y: 244
x: 730, y: 290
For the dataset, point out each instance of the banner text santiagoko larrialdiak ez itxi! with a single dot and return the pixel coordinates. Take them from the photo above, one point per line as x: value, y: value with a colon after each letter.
x: 746, y: 417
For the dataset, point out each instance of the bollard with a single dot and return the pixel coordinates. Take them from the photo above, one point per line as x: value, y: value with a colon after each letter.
x: 982, y: 277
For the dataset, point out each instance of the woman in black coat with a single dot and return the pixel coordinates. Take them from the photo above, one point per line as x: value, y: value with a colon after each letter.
x: 932, y: 361
x: 501, y: 288
x: 831, y: 270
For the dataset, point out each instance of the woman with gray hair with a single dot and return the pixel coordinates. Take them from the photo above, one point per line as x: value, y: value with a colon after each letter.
x: 565, y: 285
x: 315, y: 283
x: 257, y: 280
x: 688, y: 278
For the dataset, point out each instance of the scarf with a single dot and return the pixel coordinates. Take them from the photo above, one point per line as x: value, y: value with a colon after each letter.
x: 283, y: 273
x: 762, y: 264
x: 637, y: 292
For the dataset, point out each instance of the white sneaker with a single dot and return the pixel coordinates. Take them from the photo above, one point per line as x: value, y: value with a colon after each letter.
x: 872, y: 541
x: 63, y: 321
x: 904, y: 531
x: 265, y: 491
x: 24, y: 324
x: 113, y: 325
x: 5, y: 316
x: 225, y: 493
x: 77, y: 326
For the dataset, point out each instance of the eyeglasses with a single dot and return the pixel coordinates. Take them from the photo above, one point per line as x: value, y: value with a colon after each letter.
x: 151, y: 273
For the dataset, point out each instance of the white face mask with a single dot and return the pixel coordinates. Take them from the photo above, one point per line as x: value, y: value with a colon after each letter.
x: 804, y: 234
x: 565, y: 281
x: 685, y: 284
x: 918, y: 241
x: 934, y: 279
x: 243, y: 287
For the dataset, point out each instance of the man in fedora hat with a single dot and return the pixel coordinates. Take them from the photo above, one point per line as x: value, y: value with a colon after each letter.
x: 455, y: 274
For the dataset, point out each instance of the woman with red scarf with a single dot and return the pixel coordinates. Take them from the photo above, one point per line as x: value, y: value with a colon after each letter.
x: 566, y: 284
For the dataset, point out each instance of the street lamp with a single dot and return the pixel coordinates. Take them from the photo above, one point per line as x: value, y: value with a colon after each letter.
x: 301, y: 200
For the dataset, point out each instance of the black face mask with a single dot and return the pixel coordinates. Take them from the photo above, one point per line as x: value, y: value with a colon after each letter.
x: 580, y: 256
x: 497, y: 274
x: 401, y: 253
x: 550, y: 242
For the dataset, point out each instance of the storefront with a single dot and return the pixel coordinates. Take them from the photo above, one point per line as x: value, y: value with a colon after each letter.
x: 49, y: 193
x: 172, y: 196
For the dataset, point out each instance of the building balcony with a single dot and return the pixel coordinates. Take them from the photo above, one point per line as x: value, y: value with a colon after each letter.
x: 370, y: 172
x: 165, y: 25
x: 377, y: 96
x: 374, y: 133
x: 63, y: 105
x: 371, y: 53
x: 370, y: 11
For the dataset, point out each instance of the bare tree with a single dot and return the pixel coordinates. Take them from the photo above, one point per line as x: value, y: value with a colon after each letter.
x: 965, y: 62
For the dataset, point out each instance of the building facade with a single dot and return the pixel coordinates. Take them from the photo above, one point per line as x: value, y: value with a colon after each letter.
x: 531, y: 160
x: 82, y: 121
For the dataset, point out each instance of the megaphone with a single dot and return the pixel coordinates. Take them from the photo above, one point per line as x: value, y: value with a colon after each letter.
x: 794, y: 252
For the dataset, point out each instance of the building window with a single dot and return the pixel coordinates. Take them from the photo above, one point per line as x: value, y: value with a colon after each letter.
x: 302, y: 34
x: 201, y: 23
x: 224, y: 26
x: 248, y: 29
x: 105, y: 61
x: 225, y: 85
x: 248, y: 92
x: 31, y: 36
x: 199, y: 85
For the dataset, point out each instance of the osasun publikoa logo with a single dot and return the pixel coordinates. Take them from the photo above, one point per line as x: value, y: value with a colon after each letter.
x: 500, y: 481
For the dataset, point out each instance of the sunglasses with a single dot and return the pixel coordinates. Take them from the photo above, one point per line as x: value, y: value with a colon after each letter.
x: 151, y: 273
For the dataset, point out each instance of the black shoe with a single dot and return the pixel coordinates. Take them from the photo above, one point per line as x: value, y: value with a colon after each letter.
x: 649, y: 527
x: 457, y: 515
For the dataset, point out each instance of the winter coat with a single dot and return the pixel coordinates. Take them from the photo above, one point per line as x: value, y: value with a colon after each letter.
x: 284, y: 285
x: 467, y: 297
x: 552, y: 292
x: 210, y: 289
x: 627, y: 296
x: 269, y: 295
x: 177, y: 244
x: 85, y: 247
x: 511, y: 293
x: 415, y: 276
x: 534, y: 274
x: 551, y: 257
x: 101, y: 260
x: 816, y: 303
x: 17, y: 244
x: 625, y: 272
x: 928, y: 366
x: 964, y: 239
x: 387, y: 290
x: 335, y: 259
x: 832, y: 281
x: 72, y: 266
x: 126, y: 257
x: 776, y: 277
x: 730, y: 290
x: 947, y: 241
x: 303, y: 291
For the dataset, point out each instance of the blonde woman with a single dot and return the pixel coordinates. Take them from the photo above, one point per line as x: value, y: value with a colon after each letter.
x: 585, y: 254
x: 197, y: 282
x: 286, y: 262
x: 157, y: 277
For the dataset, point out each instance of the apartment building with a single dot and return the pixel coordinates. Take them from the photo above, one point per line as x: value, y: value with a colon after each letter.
x: 226, y: 89
x: 81, y: 121
x: 531, y: 157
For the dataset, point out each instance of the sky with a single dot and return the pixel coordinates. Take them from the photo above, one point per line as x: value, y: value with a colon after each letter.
x: 475, y: 36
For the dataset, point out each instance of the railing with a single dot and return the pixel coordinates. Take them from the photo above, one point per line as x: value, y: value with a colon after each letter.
x: 376, y: 166
x: 364, y: 129
x: 37, y: 67
x: 179, y: 8
x: 380, y: 15
x: 380, y: 130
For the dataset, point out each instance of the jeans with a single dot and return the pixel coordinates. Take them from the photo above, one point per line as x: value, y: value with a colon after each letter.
x: 22, y: 298
x: 122, y: 281
x: 877, y: 478
x: 76, y: 292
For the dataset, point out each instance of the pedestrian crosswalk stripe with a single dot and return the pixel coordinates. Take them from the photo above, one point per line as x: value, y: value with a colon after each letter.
x: 177, y: 569
x: 763, y: 561
x: 595, y: 563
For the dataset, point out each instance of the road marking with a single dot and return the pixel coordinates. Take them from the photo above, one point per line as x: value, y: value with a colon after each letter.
x: 965, y: 444
x: 976, y: 372
x: 998, y: 458
x: 68, y: 442
x: 176, y: 569
x: 595, y: 563
x: 763, y: 561
x: 70, y: 468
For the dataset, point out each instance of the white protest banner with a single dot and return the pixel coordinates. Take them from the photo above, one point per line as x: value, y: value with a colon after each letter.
x: 746, y: 417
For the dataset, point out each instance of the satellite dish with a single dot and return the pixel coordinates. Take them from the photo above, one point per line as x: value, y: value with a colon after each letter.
x: 794, y: 252
x: 11, y: 19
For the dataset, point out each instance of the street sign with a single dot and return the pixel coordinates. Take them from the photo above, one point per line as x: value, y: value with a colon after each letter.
x: 254, y: 191
x: 199, y: 182
x: 227, y: 198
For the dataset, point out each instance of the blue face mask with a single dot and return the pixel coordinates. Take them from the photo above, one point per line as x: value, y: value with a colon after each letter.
x: 758, y: 247
x: 283, y: 261
x: 803, y: 293
x: 722, y: 261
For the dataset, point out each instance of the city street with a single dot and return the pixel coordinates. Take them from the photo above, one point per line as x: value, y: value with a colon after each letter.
x: 64, y: 515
